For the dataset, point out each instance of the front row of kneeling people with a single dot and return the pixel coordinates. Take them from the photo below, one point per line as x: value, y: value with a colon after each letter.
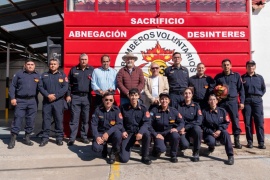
x: 133, y: 122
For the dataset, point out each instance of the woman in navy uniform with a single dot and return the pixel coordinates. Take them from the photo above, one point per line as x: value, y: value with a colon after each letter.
x: 215, y: 124
x: 166, y: 122
x: 192, y: 116
x: 254, y: 90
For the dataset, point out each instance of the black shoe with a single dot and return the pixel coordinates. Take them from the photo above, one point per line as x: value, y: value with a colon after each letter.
x: 111, y: 159
x: 85, y: 141
x: 11, y: 144
x: 217, y: 143
x: 237, y: 144
x: 195, y: 157
x: 43, y: 143
x: 27, y: 140
x: 59, y: 142
x: 70, y: 143
x: 174, y: 159
x: 262, y: 146
x: 249, y: 145
x: 156, y: 154
x: 230, y: 160
x: 146, y: 160
x: 211, y: 149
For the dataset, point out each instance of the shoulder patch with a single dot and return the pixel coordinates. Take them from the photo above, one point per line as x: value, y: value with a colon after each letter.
x: 147, y: 114
x: 199, y: 112
x: 179, y: 115
x: 227, y: 118
x: 120, y: 116
x: 66, y: 79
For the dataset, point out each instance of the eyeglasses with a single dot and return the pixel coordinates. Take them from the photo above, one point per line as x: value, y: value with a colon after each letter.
x: 153, y: 68
x: 111, y: 100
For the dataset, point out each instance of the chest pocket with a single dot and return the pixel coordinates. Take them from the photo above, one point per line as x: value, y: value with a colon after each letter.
x: 100, y: 121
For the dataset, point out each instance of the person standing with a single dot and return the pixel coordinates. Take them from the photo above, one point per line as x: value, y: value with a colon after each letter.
x: 106, y: 124
x: 136, y: 123
x: 23, y: 94
x: 154, y: 85
x: 215, y: 124
x: 178, y: 78
x: 53, y: 86
x: 129, y: 77
x: 103, y: 80
x: 230, y: 104
x: 79, y: 95
x: 254, y: 90
x: 203, y: 85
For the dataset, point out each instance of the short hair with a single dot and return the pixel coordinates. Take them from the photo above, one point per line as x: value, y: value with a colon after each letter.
x: 226, y: 60
x: 107, y: 94
x: 190, y: 88
x: 200, y: 64
x: 83, y: 54
x: 105, y: 55
x: 134, y: 91
x: 54, y: 59
x: 154, y: 63
x: 29, y: 60
x: 212, y: 95
x: 177, y: 53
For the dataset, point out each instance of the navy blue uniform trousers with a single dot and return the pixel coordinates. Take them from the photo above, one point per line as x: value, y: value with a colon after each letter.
x: 114, y: 138
x: 196, y: 133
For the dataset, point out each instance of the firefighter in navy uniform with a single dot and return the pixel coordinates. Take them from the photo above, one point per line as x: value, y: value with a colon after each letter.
x: 106, y: 126
x: 203, y: 85
x: 23, y: 94
x: 53, y: 86
x: 79, y: 94
x: 136, y: 123
x: 178, y: 78
x: 215, y: 124
x: 254, y: 90
x: 166, y: 122
x: 230, y: 104
x: 192, y: 115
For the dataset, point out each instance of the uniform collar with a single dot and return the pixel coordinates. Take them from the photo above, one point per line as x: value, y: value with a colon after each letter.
x: 126, y: 69
x: 79, y: 67
x: 214, y: 110
x: 102, y: 107
x: 54, y: 73
x: 160, y: 109
x: 137, y: 107
x: 247, y: 75
x: 203, y: 76
x: 231, y: 72
x: 181, y: 67
x: 188, y: 105
x: 24, y: 71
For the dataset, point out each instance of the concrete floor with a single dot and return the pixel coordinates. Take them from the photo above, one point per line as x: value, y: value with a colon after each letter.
x: 80, y: 162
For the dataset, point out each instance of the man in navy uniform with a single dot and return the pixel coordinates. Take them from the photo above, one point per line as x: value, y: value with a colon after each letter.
x: 53, y: 86
x: 215, y: 124
x: 254, y: 90
x: 23, y: 94
x: 79, y: 94
x: 230, y: 104
x: 203, y: 86
x: 136, y: 122
x: 106, y: 125
x: 178, y: 78
x: 166, y: 123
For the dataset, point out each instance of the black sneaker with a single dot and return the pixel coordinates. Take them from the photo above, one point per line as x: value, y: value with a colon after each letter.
x: 230, y: 160
x: 70, y: 143
x: 43, y: 143
x: 217, y: 143
x: 249, y: 145
x: 111, y: 159
x: 156, y: 154
x: 174, y: 159
x: 85, y: 141
x: 59, y: 142
x: 211, y: 149
x: 262, y: 146
x: 195, y: 157
x: 146, y: 160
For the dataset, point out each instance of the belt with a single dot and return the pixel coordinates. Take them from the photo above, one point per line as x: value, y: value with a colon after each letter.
x: 229, y: 98
x: 252, y: 96
x: 25, y: 97
x: 80, y: 93
x: 176, y: 92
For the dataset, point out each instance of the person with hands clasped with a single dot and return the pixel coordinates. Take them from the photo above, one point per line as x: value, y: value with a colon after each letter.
x: 166, y: 122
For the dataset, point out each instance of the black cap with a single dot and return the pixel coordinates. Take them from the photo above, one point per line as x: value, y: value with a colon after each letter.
x: 250, y: 62
x: 164, y: 94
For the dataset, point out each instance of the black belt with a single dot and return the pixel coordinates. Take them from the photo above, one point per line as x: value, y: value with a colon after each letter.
x: 80, y: 93
x: 25, y: 97
x: 252, y: 96
x: 176, y: 92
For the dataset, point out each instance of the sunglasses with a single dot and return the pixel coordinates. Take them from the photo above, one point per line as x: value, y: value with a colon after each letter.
x: 154, y: 68
x: 111, y: 100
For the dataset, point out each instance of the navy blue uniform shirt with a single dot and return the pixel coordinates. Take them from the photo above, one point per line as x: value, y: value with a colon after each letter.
x: 191, y: 113
x: 24, y: 84
x: 214, y: 120
x: 234, y: 83
x: 56, y: 83
x: 106, y: 121
x: 164, y: 121
x: 135, y: 120
x: 178, y: 78
x: 80, y: 80
x: 253, y: 85
x: 203, y: 86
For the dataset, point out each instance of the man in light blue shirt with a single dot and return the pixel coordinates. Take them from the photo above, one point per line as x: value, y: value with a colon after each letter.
x: 103, y: 79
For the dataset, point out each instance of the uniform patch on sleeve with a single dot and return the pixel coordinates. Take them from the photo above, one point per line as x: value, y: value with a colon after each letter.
x: 66, y: 79
x: 120, y: 116
x: 179, y: 115
x: 199, y: 112
x: 147, y: 114
x: 227, y: 118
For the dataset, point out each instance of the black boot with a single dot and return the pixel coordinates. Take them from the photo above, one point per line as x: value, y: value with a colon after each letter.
x: 112, y: 155
x: 237, y: 142
x: 11, y: 144
x: 195, y: 157
x: 27, y: 140
x: 230, y: 160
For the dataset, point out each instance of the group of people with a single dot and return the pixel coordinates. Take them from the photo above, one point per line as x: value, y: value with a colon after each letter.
x: 176, y: 108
